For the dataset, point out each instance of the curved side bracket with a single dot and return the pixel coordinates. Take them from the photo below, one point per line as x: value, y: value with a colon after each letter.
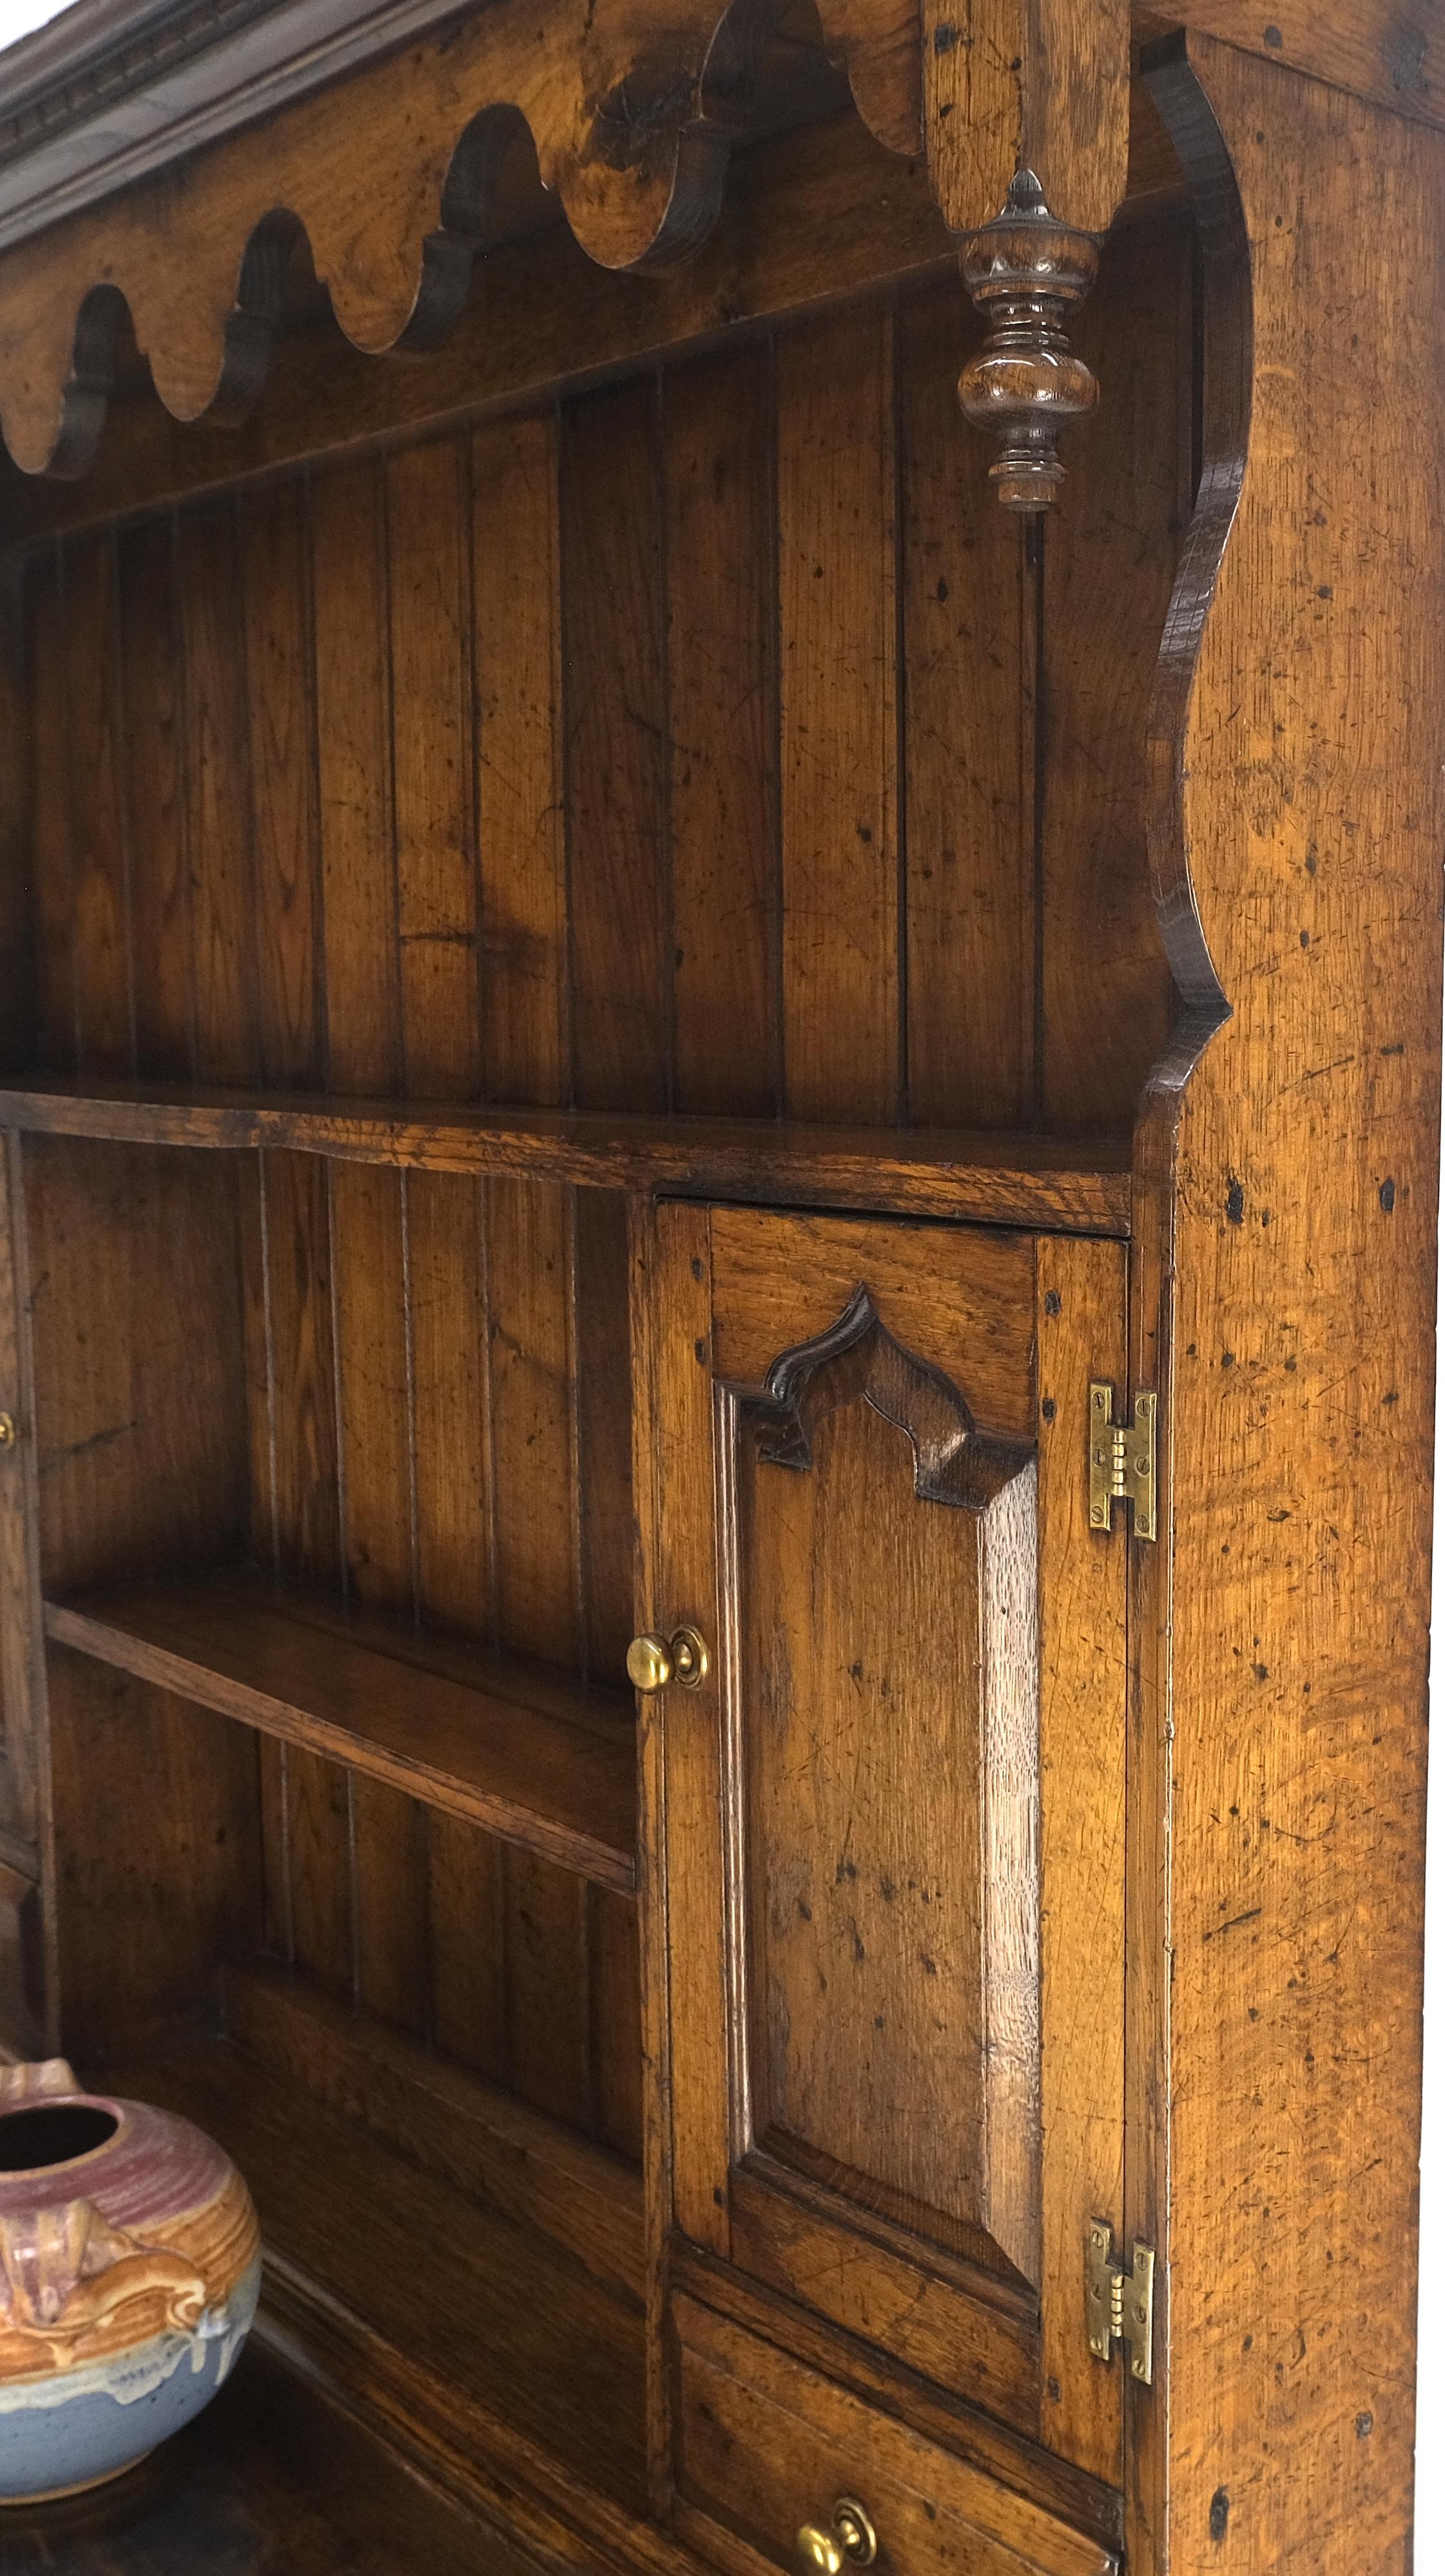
x: 1228, y: 366
x: 857, y: 1358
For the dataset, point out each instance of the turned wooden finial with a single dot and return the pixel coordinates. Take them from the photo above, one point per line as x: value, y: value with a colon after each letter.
x: 1024, y: 272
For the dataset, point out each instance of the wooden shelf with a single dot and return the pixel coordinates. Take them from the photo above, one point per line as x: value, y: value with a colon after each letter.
x: 488, y: 2327
x: 510, y: 1745
x: 1059, y: 1185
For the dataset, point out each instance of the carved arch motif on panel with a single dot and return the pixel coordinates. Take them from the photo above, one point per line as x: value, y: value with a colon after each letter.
x: 953, y: 1461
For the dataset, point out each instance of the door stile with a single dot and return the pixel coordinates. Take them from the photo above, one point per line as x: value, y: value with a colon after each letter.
x: 727, y: 1427
x: 685, y: 1763
x: 1082, y: 1641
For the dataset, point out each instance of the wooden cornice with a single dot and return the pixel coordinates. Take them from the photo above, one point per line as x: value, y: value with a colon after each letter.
x: 161, y: 160
x: 389, y: 172
x: 114, y: 89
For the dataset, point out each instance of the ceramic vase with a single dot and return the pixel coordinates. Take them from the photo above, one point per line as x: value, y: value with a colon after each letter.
x: 129, y: 2271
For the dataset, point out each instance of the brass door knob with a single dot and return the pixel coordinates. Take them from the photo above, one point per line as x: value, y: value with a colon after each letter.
x: 830, y: 2549
x: 653, y: 1662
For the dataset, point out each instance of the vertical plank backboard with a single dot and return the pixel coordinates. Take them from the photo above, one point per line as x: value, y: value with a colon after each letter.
x: 837, y: 526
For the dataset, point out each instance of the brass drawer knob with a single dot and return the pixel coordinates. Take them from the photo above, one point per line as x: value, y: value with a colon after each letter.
x: 830, y: 2549
x: 8, y: 1433
x: 653, y: 1662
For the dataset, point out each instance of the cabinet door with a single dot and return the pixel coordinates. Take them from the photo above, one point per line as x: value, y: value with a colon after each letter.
x: 885, y: 1830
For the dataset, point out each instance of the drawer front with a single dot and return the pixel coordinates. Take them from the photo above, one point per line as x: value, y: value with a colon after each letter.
x: 765, y: 2446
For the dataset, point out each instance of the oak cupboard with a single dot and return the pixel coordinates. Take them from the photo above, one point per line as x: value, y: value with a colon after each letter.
x: 720, y: 936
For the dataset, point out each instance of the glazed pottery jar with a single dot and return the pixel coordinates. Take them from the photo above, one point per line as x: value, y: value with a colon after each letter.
x: 129, y: 2270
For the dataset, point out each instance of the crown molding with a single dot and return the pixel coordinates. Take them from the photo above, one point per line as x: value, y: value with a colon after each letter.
x: 113, y: 90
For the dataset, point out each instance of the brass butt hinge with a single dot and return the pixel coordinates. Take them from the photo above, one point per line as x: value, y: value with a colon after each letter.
x: 1121, y: 1462
x: 1119, y: 2305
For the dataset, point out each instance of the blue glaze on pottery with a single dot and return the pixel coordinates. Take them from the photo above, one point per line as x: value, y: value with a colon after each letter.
x: 83, y: 2425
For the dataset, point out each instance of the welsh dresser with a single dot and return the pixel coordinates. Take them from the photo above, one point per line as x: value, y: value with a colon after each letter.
x: 720, y: 843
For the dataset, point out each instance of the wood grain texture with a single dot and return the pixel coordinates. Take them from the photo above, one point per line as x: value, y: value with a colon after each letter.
x: 431, y: 702
x: 1081, y: 1311
x: 218, y: 798
x: 556, y: 1778
x: 27, y: 1801
x: 970, y: 652
x: 391, y: 231
x: 557, y: 855
x: 273, y: 548
x: 766, y: 2444
x: 155, y: 755
x: 971, y: 2435
x: 815, y: 214
x: 531, y: 2338
x: 615, y: 720
x: 839, y: 717
x: 141, y: 1427
x: 1013, y: 1179
x: 1040, y: 87
x: 142, y: 1926
x: 56, y: 1027
x: 723, y: 715
x: 517, y: 631
x: 897, y: 1789
x: 472, y: 2134
x: 1307, y: 808
x: 1130, y: 467
x: 100, y: 857
x: 882, y: 1974
x: 483, y: 790
x: 1388, y: 53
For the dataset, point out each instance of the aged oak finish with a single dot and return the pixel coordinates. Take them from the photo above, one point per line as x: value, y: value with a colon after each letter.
x: 644, y: 1040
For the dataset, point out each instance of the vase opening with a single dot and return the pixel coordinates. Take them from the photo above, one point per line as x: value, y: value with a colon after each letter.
x: 52, y: 2133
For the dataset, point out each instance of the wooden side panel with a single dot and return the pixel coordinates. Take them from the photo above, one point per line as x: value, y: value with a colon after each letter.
x: 1302, y: 1282
x: 838, y: 648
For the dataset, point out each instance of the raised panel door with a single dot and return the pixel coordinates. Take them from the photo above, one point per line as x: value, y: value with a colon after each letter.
x: 887, y: 1826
